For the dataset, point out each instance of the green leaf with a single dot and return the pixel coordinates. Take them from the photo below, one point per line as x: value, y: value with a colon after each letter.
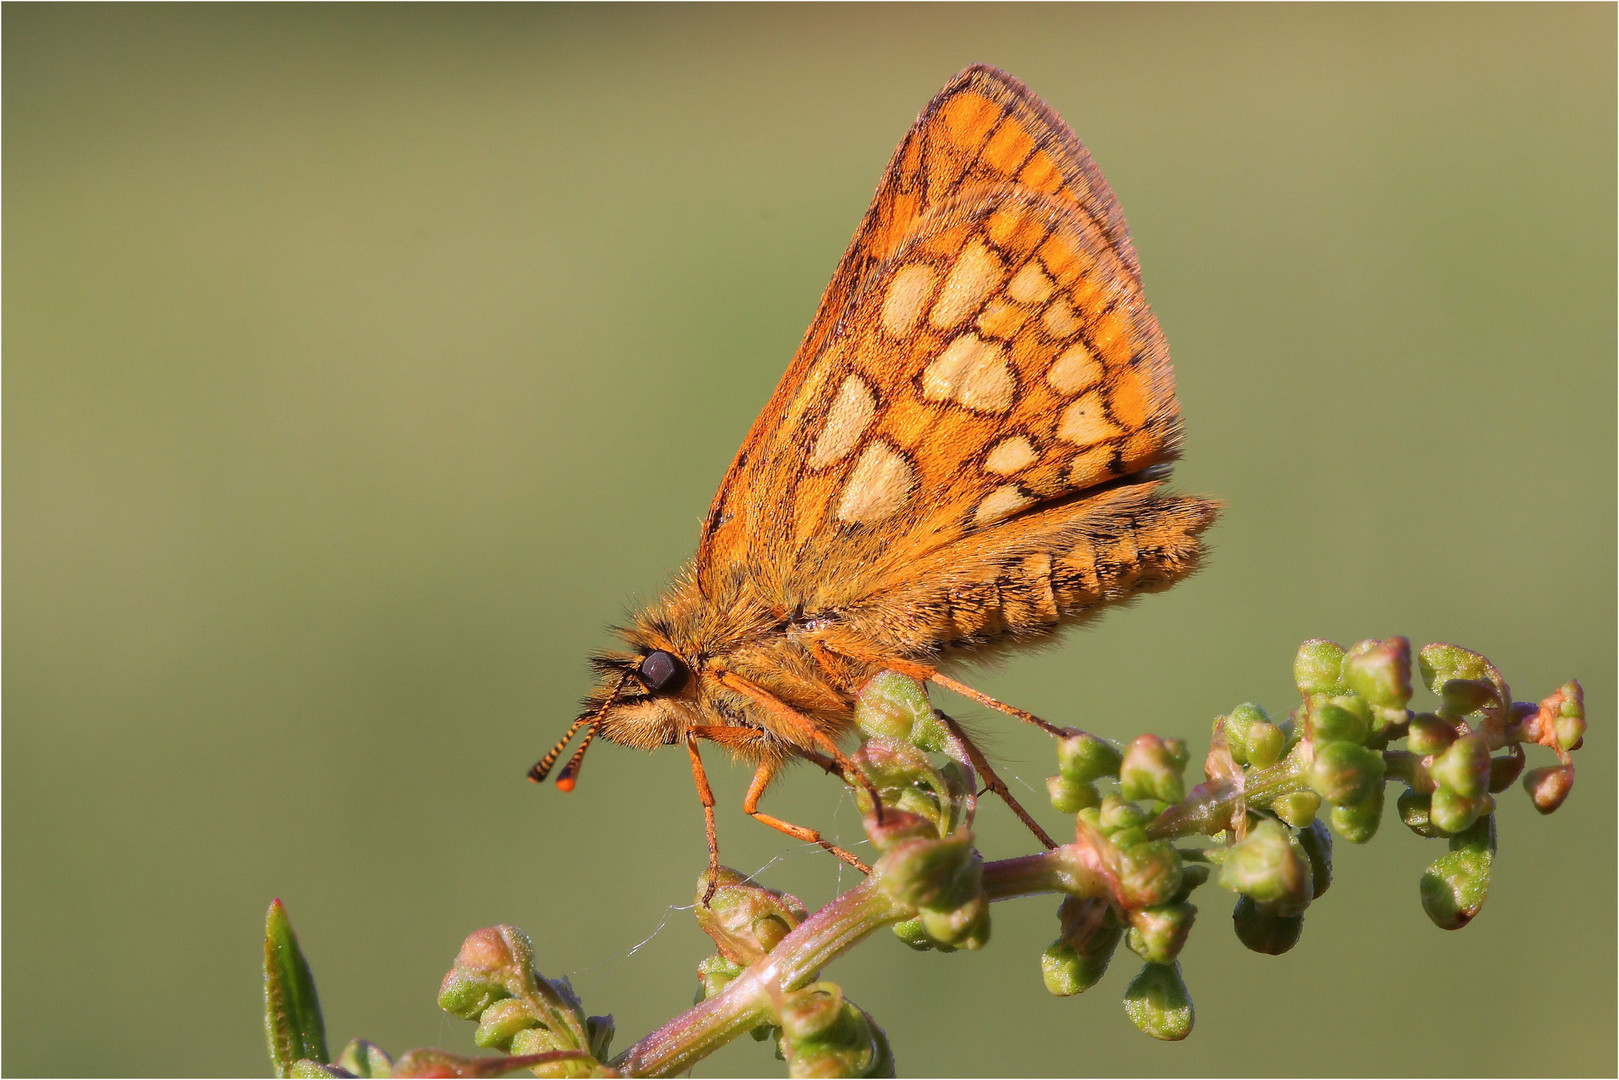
x: 292, y: 1020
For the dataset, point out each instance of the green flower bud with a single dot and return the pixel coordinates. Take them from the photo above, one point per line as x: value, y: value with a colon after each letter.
x: 1266, y: 742
x: 745, y: 920
x: 1078, y: 959
x: 1465, y: 696
x: 1149, y: 771
x: 1118, y: 813
x: 1454, y: 887
x: 1439, y: 663
x: 931, y: 873
x: 1263, y: 931
x: 1569, y: 726
x: 1416, y: 811
x: 1158, y: 1003
x: 1344, y: 718
x: 501, y: 1022
x: 310, y: 1069
x: 1084, y: 757
x: 1269, y: 866
x: 365, y: 1059
x: 1452, y: 813
x: 1464, y: 767
x: 1235, y: 729
x: 1429, y: 734
x: 897, y: 827
x: 1157, y: 934
x: 964, y: 927
x: 913, y: 934
x: 1380, y: 671
x: 494, y: 963
x: 1549, y: 786
x: 1358, y: 822
x: 823, y: 1034
x: 1317, y: 844
x: 1569, y: 732
x: 1148, y: 874
x: 907, y: 782
x: 1064, y: 971
x: 714, y: 973
x: 1128, y: 838
x: 893, y: 706
x: 1345, y: 772
x: 1318, y: 666
x: 1071, y: 796
x: 1297, y: 809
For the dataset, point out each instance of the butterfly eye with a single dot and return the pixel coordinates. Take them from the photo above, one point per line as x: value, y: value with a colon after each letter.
x: 662, y: 671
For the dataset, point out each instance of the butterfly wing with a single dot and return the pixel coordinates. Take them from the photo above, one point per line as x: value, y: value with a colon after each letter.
x: 982, y: 360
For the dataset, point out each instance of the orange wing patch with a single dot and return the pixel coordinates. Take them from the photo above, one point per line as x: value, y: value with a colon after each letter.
x: 1037, y: 372
x: 984, y: 129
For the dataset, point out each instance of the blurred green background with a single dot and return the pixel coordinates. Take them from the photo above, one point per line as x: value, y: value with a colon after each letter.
x: 363, y: 363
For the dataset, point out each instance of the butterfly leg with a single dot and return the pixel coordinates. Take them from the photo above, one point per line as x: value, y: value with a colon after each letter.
x: 750, y: 806
x: 980, y: 763
x: 993, y: 782
x: 705, y: 795
x: 805, y: 727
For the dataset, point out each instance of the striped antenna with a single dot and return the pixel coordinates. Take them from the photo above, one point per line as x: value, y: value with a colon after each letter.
x: 570, y: 772
x: 543, y: 766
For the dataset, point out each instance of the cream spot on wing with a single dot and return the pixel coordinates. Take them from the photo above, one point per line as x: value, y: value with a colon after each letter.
x: 1010, y: 455
x: 977, y: 273
x: 1001, y: 320
x: 1061, y: 321
x: 1085, y: 421
x: 1074, y: 370
x: 907, y: 292
x: 1030, y: 285
x: 845, y: 422
x: 1091, y: 467
x: 879, y: 485
x: 1003, y: 502
x: 971, y: 372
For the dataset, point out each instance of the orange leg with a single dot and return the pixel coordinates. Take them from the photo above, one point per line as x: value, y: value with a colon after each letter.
x: 993, y: 782
x: 750, y: 806
x: 979, y: 762
x: 1010, y: 710
x: 805, y: 726
x: 705, y: 795
x: 931, y: 674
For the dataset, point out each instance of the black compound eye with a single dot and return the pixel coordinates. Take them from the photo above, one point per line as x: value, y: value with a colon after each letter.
x: 663, y: 672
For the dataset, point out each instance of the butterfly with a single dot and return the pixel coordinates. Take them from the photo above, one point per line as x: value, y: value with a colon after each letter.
x: 968, y: 451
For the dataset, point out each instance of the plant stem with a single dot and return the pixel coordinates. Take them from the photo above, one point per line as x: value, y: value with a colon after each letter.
x: 798, y: 959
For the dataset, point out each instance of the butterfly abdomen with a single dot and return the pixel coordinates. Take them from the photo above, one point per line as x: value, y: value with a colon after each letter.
x: 1032, y: 575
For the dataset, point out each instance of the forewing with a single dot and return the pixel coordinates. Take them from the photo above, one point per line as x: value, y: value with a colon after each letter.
x: 984, y: 129
x: 1001, y: 361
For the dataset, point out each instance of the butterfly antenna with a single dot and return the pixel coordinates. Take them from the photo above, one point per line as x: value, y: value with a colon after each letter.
x: 543, y: 766
x: 570, y: 772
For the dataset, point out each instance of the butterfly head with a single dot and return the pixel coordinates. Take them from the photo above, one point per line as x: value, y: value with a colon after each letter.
x: 645, y: 699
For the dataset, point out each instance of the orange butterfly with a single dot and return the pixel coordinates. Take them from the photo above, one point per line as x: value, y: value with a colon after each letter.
x: 967, y: 451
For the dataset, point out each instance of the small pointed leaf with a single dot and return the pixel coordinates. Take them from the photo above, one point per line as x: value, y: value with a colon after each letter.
x: 292, y: 1020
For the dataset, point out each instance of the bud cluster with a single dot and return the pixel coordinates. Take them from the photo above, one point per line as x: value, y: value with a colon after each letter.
x: 817, y: 1031
x: 925, y: 834
x: 1148, y: 882
x: 517, y: 1011
x: 1273, y: 786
